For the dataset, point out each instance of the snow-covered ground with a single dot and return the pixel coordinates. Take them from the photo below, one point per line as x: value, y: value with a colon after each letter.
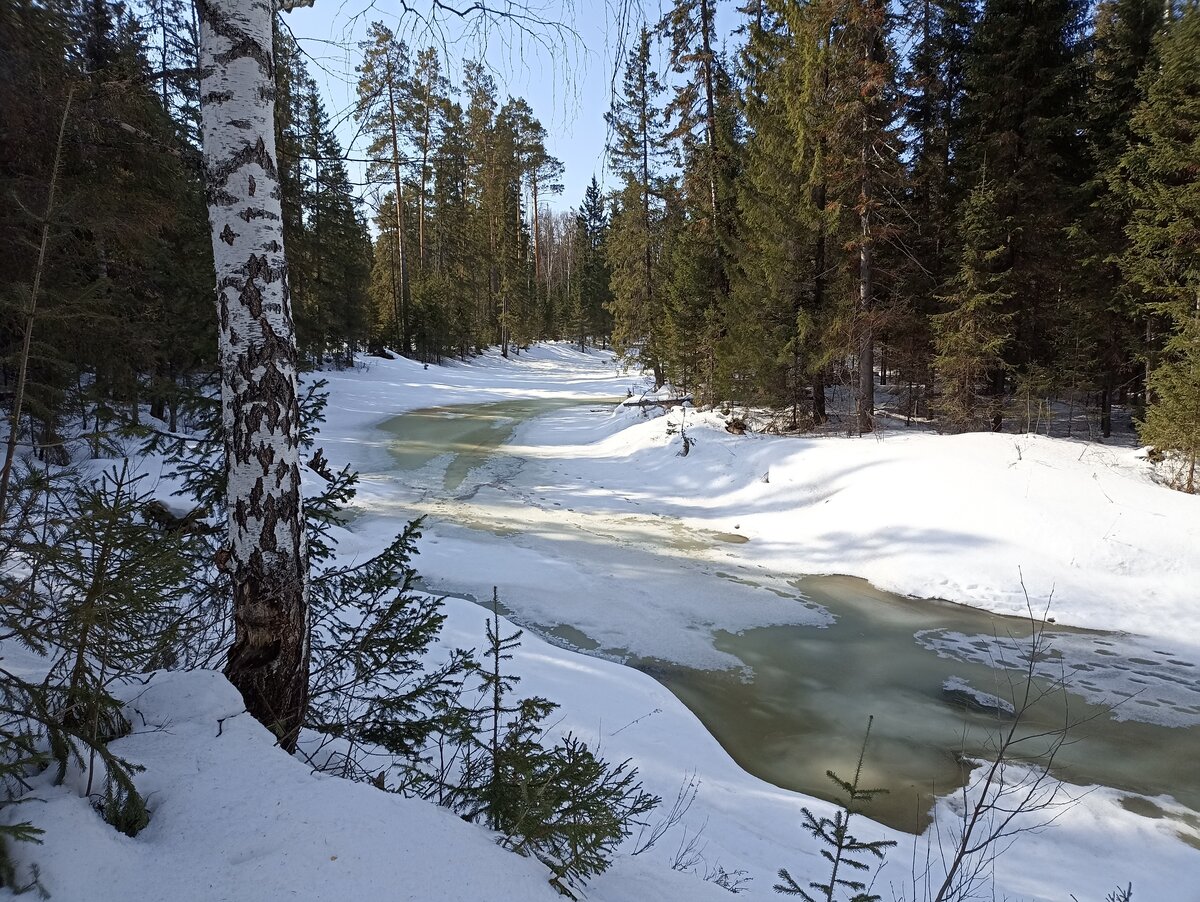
x: 578, y: 526
x: 963, y: 518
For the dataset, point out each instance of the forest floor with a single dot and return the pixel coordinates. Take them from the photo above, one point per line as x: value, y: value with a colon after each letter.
x: 580, y: 523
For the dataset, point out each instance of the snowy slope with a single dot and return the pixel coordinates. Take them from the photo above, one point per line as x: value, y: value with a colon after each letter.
x: 964, y: 518
x: 955, y: 517
x: 232, y: 815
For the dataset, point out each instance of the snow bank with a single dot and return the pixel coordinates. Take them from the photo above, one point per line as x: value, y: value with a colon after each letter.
x: 956, y: 517
x: 232, y: 815
x: 965, y: 518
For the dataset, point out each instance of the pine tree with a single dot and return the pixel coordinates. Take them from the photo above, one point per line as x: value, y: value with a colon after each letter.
x: 424, y: 98
x: 383, y: 88
x: 485, y: 198
x: 1157, y: 178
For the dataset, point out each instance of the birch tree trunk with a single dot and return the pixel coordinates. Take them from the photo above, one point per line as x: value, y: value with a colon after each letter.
x: 267, y: 554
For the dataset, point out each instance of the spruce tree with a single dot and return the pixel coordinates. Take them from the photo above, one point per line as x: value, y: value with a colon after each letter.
x: 591, y: 288
x: 638, y: 148
x: 704, y: 122
x: 331, y: 314
x: 970, y: 335
x: 782, y: 282
x: 932, y: 86
x: 1157, y: 178
x: 1021, y: 116
x: 1123, y: 45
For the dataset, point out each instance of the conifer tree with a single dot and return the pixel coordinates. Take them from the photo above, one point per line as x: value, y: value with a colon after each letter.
x: 783, y: 282
x: 1157, y: 177
x: 843, y: 850
x: 1123, y: 45
x: 933, y: 93
x: 638, y: 148
x: 383, y: 88
x: 704, y: 122
x: 425, y: 95
x: 970, y: 335
x: 707, y: 128
x: 485, y: 196
x: 591, y: 288
x: 1021, y: 115
x: 335, y: 258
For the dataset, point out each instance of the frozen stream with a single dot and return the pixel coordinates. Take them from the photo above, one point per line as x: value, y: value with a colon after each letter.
x: 783, y: 670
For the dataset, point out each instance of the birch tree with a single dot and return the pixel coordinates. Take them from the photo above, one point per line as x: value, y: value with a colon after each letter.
x: 266, y: 555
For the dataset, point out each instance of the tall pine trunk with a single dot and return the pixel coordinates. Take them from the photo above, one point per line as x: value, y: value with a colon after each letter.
x: 267, y: 553
x: 400, y: 237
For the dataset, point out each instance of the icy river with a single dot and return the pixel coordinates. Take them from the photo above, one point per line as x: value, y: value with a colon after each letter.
x: 783, y: 669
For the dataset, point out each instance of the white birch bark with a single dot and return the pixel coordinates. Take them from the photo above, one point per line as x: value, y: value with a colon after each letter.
x: 267, y: 554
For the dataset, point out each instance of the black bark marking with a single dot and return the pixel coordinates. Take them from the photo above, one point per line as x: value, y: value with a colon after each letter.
x: 219, y: 197
x: 257, y: 213
x: 217, y: 174
x: 252, y: 185
x: 228, y: 235
x: 266, y: 457
x: 241, y: 44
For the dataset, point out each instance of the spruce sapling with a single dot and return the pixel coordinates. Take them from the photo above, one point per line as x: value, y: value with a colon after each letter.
x: 842, y: 849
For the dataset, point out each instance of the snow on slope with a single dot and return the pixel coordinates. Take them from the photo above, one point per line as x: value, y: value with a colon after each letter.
x: 233, y: 817
x: 956, y: 517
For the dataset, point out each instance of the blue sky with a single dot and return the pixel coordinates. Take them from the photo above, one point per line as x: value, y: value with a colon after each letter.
x: 566, y: 77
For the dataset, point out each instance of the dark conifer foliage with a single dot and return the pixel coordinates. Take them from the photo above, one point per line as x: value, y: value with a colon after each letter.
x: 1025, y: 74
x: 1157, y: 177
x: 930, y: 205
x: 640, y: 153
x: 120, y: 316
x: 590, y: 293
x: 796, y: 219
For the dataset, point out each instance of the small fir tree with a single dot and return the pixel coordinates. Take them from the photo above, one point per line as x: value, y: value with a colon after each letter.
x: 842, y: 849
x: 560, y: 803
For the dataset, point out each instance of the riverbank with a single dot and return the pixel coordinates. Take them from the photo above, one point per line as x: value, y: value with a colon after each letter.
x: 977, y: 519
x: 591, y: 519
